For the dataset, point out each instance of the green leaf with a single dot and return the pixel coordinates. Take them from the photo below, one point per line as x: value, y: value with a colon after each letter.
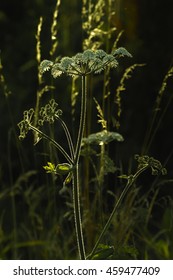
x: 63, y: 168
x: 123, y: 176
x: 50, y: 167
x: 68, y: 179
x: 109, y: 166
x: 103, y: 137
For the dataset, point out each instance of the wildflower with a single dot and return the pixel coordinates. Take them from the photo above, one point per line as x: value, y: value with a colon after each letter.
x: 83, y: 64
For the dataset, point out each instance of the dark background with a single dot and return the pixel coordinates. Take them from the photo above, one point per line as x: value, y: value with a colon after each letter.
x: 148, y: 30
x: 147, y: 35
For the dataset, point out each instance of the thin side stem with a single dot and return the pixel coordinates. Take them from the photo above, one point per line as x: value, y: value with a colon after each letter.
x: 53, y: 142
x: 130, y: 182
x: 68, y: 136
x: 155, y: 128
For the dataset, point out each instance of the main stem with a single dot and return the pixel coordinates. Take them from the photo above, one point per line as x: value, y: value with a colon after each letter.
x: 77, y: 214
x: 82, y: 119
x: 76, y: 193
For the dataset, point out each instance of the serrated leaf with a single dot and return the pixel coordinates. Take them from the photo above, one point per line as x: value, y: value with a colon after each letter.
x: 103, y: 137
x: 109, y: 166
x: 50, y: 167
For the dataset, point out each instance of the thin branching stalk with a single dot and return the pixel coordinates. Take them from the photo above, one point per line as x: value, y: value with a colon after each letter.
x: 153, y: 126
x: 68, y: 136
x: 58, y: 146
x: 130, y: 182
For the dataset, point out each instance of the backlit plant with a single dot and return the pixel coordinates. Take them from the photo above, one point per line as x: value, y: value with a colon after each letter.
x: 81, y: 65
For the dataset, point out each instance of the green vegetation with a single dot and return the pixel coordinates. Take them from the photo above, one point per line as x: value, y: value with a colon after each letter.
x: 75, y: 192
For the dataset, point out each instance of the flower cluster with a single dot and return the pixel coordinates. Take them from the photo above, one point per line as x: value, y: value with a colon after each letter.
x: 24, y: 125
x: 49, y: 112
x: 155, y: 164
x: 85, y: 63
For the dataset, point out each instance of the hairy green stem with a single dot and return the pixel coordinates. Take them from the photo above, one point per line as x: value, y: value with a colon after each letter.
x: 68, y: 136
x: 77, y: 214
x: 82, y: 119
x: 76, y: 193
x: 130, y: 182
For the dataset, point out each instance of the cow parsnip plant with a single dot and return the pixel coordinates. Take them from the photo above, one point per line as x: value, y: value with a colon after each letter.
x: 81, y: 65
